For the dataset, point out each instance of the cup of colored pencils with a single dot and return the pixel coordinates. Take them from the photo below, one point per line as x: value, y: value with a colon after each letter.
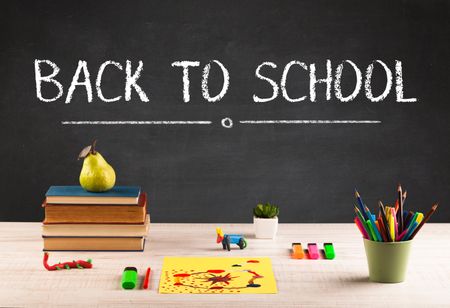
x: 388, y: 235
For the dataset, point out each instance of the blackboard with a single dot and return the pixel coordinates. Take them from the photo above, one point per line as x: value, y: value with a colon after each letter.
x: 209, y: 173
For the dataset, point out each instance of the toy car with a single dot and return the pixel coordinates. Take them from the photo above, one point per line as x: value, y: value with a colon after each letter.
x: 228, y: 239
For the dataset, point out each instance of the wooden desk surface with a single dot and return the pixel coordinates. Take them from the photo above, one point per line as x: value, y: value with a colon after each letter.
x: 342, y: 282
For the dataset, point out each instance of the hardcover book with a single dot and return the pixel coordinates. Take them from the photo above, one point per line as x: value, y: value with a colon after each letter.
x: 97, y: 230
x: 94, y: 213
x: 93, y: 243
x: 77, y: 195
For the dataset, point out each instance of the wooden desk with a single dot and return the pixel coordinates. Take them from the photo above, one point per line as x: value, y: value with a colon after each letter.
x: 341, y: 282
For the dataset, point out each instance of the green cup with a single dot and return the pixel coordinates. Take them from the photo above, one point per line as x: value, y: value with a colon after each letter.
x: 387, y: 261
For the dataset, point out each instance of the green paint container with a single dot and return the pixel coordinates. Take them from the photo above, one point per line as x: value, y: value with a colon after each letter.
x: 387, y: 261
x: 129, y: 278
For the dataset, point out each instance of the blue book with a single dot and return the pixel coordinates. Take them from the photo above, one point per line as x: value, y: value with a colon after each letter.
x: 77, y: 195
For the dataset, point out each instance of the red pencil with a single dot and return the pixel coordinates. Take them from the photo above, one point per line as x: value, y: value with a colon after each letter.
x: 382, y: 229
x: 146, y: 279
x: 400, y: 209
x: 396, y: 201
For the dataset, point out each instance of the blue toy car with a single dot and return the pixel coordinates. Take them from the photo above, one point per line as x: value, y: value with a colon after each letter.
x: 228, y: 239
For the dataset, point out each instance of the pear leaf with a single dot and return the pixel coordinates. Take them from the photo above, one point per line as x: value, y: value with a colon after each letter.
x: 85, y: 152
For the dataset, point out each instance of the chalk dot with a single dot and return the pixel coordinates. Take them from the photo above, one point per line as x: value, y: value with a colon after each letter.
x: 227, y: 123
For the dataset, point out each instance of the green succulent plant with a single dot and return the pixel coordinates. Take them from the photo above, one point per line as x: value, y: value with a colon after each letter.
x: 266, y: 210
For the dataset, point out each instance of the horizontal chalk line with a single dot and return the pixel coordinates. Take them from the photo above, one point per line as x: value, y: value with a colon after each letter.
x: 310, y: 122
x: 210, y: 122
x: 136, y: 122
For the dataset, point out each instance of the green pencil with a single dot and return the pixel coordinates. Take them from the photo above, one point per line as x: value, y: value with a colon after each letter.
x: 359, y: 214
x: 372, y: 232
x: 361, y: 218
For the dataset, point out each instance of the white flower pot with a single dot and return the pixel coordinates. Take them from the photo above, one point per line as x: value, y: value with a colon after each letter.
x: 265, y: 227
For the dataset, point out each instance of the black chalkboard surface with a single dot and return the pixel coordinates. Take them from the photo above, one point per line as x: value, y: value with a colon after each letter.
x: 211, y: 173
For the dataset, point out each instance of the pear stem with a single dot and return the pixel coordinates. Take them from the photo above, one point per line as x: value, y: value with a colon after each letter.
x: 93, y: 146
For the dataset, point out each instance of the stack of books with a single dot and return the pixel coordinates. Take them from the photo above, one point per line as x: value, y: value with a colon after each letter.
x: 75, y: 219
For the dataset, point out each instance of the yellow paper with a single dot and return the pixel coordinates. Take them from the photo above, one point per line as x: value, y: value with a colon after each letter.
x: 217, y: 275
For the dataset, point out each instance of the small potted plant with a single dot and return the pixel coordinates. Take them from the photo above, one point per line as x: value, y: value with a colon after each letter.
x: 265, y: 220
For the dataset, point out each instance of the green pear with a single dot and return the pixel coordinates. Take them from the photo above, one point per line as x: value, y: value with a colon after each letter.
x: 96, y: 175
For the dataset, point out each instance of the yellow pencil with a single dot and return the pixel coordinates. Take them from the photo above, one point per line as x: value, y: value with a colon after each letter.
x: 391, y: 226
x: 419, y: 218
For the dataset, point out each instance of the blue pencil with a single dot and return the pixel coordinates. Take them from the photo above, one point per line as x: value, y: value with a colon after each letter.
x: 361, y: 205
x: 410, y: 231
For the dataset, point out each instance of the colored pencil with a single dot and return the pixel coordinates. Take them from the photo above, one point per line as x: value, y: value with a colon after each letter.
x: 400, y: 209
x: 410, y: 231
x: 361, y: 228
x: 359, y: 214
x: 401, y: 236
x: 419, y: 217
x: 361, y: 205
x: 426, y: 218
x: 372, y: 231
x: 372, y: 220
x: 396, y: 201
x: 387, y: 209
x: 386, y: 233
x: 362, y: 220
x: 385, y: 222
x: 408, y: 217
x: 379, y: 224
x: 392, y: 225
x: 412, y: 220
x: 394, y: 218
